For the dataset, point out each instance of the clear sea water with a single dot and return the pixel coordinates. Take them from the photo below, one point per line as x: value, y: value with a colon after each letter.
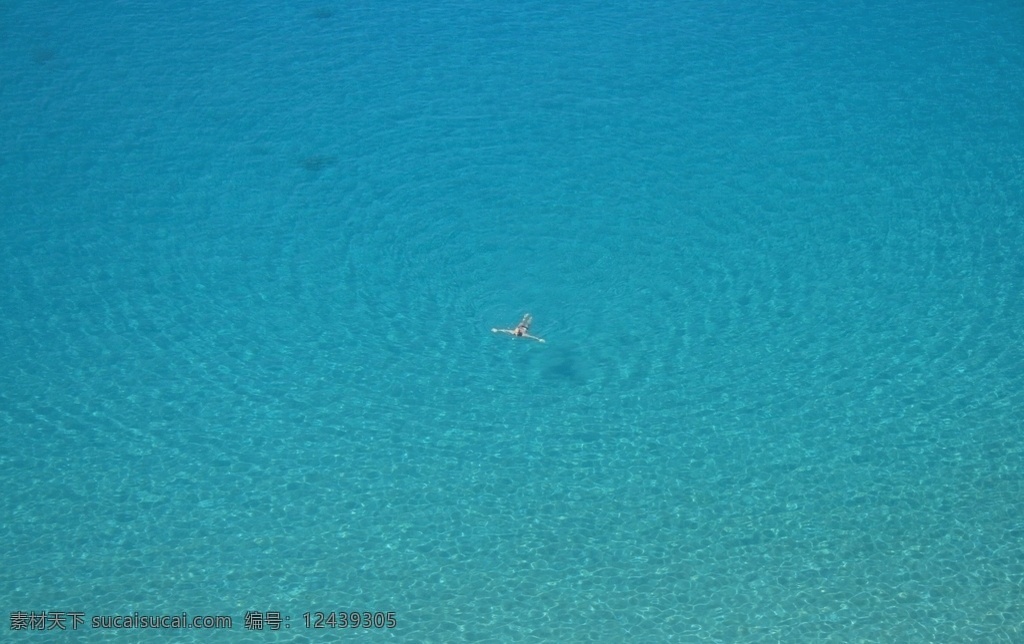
x: 252, y: 254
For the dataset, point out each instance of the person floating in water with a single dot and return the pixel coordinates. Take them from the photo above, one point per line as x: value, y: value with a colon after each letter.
x: 522, y: 329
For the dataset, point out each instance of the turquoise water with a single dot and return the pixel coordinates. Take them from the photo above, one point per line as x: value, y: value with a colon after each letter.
x: 252, y: 254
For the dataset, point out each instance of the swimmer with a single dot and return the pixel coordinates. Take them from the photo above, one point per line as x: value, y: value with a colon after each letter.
x: 522, y: 329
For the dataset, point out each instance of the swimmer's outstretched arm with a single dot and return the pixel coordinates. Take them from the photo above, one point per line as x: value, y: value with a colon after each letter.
x: 513, y: 333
